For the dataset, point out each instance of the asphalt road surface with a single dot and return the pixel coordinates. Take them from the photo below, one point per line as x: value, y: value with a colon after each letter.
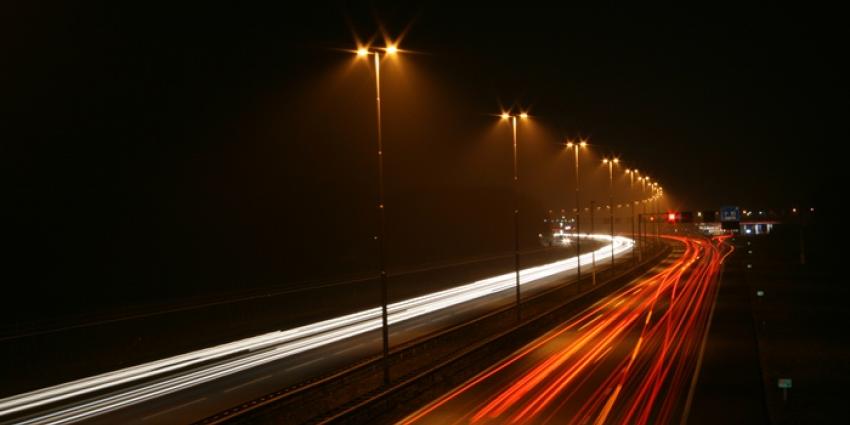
x: 629, y: 358
x: 195, y: 385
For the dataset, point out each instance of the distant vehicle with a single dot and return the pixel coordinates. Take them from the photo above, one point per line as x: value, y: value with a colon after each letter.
x: 555, y: 239
x: 558, y: 231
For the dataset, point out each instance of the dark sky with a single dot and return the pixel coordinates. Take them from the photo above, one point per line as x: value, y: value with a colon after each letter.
x: 159, y: 152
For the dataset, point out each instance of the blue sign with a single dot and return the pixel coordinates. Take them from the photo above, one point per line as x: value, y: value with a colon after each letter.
x: 730, y: 214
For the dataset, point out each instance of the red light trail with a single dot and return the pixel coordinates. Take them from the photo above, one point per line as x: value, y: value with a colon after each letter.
x: 627, y: 359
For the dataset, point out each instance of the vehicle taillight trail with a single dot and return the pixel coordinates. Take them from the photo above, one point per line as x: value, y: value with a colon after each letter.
x: 627, y: 359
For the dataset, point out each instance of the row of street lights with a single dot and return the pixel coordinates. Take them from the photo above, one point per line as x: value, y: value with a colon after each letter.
x: 391, y: 50
x: 576, y: 147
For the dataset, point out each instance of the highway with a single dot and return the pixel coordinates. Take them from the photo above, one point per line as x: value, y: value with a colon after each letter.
x: 195, y: 385
x: 629, y: 358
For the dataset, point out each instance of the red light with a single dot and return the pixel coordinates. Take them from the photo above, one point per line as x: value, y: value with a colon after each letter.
x: 674, y: 217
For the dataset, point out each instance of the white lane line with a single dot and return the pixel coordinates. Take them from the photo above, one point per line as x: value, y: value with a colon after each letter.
x: 598, y: 316
x: 171, y: 409
x: 253, y: 381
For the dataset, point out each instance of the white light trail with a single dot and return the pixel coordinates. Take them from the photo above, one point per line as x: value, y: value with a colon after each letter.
x: 244, y: 354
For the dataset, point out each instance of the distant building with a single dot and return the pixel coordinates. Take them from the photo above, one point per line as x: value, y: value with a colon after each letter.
x: 735, y: 220
x: 557, y: 230
x: 757, y: 227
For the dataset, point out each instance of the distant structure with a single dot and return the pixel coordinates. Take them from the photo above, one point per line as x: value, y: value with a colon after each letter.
x: 736, y: 220
x: 558, y: 229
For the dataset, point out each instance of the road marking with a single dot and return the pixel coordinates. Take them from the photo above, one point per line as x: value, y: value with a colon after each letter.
x: 162, y: 412
x: 247, y: 383
x: 345, y: 350
x: 590, y: 321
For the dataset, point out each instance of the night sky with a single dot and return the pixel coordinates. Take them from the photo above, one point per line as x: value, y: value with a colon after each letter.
x: 153, y: 153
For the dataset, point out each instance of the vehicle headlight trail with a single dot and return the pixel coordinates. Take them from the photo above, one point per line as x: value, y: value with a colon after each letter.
x: 180, y: 372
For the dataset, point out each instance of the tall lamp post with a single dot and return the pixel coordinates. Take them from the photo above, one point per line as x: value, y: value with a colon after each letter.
x: 647, y: 182
x: 658, y: 203
x: 657, y: 211
x: 653, y: 211
x: 364, y: 52
x: 631, y: 172
x: 575, y: 147
x: 610, y: 163
x: 642, y: 181
x: 513, y: 119
x: 593, y: 252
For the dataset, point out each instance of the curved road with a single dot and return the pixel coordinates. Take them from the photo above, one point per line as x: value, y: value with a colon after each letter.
x: 629, y: 358
x: 195, y: 385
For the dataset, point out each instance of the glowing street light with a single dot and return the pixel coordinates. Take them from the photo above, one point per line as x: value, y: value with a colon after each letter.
x: 631, y: 172
x: 593, y: 232
x: 363, y: 52
x: 610, y: 163
x: 513, y: 119
x: 655, y: 197
x: 575, y: 147
x: 642, y: 222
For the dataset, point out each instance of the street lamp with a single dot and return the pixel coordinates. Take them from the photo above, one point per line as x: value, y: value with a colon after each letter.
x: 646, y: 181
x: 640, y: 219
x: 610, y: 163
x: 660, y: 195
x: 513, y: 119
x: 631, y: 172
x: 363, y: 52
x: 657, y: 211
x: 593, y: 252
x: 575, y: 147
